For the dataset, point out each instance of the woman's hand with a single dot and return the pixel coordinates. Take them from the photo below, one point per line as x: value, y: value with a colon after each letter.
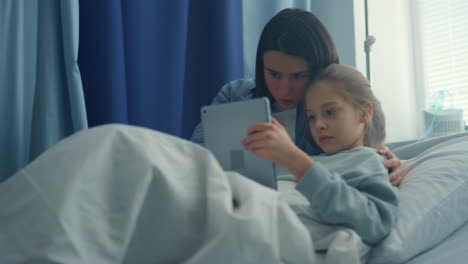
x: 271, y: 141
x: 394, y: 164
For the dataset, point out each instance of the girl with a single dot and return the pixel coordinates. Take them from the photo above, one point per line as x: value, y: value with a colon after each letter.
x: 347, y: 183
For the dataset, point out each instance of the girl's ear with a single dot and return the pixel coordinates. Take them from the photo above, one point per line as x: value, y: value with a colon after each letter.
x: 366, y: 113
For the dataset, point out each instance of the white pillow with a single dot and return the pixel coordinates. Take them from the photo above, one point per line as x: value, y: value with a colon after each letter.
x: 410, y: 151
x: 433, y: 202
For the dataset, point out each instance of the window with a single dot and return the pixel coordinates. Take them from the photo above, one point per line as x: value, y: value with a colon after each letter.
x: 440, y: 38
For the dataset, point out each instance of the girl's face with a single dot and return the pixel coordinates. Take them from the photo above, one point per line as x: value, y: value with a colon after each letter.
x: 286, y: 77
x: 335, y: 122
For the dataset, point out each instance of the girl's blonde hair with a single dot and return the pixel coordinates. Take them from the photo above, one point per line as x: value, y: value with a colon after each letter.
x: 357, y: 87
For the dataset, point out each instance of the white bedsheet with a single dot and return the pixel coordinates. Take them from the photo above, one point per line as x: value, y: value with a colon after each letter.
x: 121, y: 194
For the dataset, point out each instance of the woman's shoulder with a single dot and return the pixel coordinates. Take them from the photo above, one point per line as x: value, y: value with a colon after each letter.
x: 247, y: 83
x: 238, y: 89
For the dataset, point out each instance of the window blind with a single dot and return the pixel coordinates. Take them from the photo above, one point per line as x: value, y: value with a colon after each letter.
x: 442, y: 40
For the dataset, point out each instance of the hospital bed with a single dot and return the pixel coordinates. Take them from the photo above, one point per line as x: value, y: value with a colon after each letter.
x: 440, y: 236
x: 453, y: 250
x: 97, y: 197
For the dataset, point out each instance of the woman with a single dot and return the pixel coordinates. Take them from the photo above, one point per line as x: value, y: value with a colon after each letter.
x: 294, y: 46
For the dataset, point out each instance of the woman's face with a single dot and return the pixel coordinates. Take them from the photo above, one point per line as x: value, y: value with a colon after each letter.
x: 286, y: 77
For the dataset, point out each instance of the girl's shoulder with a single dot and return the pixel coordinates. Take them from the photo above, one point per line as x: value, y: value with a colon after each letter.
x: 364, y: 153
x: 354, y: 156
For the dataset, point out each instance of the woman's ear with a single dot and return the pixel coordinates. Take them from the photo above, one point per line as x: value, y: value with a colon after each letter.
x: 366, y: 113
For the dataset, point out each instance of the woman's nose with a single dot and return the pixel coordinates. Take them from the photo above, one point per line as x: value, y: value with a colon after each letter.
x: 285, y: 86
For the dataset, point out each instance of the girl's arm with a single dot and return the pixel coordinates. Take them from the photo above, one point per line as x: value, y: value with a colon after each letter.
x: 365, y: 201
x: 361, y: 198
x: 271, y: 141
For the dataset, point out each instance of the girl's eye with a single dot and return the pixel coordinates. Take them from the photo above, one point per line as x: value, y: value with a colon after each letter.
x: 311, y: 118
x: 330, y: 112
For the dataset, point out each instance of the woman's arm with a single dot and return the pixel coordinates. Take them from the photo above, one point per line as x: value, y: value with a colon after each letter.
x: 393, y: 163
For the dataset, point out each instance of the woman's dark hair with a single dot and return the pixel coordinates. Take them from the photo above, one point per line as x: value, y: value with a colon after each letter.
x: 299, y: 33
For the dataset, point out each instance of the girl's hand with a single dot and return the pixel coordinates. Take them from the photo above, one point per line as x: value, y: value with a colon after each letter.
x: 271, y: 141
x: 394, y: 164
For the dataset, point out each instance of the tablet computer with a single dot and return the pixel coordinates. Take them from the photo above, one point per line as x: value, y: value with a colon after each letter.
x: 226, y: 125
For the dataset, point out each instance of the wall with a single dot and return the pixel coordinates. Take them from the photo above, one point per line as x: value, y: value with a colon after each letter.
x: 338, y: 18
x: 392, y: 75
x: 391, y: 55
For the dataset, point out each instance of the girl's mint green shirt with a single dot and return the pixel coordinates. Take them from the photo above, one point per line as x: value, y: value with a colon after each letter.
x: 351, y: 188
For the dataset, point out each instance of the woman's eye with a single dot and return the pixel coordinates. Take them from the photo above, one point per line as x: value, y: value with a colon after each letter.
x: 330, y: 112
x: 274, y: 74
x: 299, y: 75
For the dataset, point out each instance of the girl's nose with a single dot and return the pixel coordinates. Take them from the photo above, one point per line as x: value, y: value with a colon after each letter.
x: 320, y: 124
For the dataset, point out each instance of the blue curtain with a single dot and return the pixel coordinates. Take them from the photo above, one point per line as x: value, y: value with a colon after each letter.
x: 155, y: 63
x: 41, y: 97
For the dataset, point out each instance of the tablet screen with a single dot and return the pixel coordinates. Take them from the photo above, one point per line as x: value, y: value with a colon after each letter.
x: 226, y: 125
